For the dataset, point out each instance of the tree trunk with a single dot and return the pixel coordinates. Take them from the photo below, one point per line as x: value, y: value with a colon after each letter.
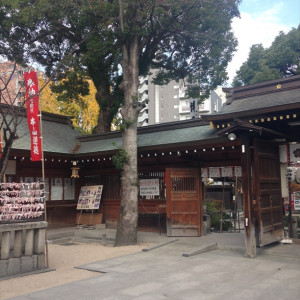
x: 104, y: 121
x: 128, y: 219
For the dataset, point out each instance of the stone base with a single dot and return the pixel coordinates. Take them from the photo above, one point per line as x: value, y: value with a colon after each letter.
x: 22, y: 248
x: 23, y: 264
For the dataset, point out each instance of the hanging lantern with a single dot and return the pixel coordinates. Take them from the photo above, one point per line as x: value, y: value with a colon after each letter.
x: 75, y: 170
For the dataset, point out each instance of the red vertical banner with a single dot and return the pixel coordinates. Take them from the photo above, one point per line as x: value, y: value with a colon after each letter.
x: 32, y: 105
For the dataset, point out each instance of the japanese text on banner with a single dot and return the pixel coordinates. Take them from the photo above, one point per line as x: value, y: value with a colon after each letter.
x: 31, y: 86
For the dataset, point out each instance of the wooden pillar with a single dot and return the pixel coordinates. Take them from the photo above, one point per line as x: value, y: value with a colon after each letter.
x: 250, y: 241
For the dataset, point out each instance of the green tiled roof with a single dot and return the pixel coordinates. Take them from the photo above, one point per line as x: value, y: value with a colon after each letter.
x: 152, y: 139
x: 183, y: 135
x: 58, y: 137
x: 261, y: 102
x: 101, y: 145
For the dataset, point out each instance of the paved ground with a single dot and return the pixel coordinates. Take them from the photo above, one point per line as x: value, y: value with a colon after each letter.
x: 164, y: 273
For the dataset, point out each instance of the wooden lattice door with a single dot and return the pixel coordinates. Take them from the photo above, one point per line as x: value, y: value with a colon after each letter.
x: 184, y: 212
x: 267, y: 193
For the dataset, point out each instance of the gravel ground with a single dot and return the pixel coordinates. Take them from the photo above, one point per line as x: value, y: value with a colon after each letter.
x: 63, y: 258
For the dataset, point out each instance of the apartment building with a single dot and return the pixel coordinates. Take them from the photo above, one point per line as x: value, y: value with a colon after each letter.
x: 12, y: 83
x: 168, y: 103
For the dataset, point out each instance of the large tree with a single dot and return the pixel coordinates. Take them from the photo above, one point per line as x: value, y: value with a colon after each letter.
x: 281, y: 59
x: 184, y: 38
x: 122, y: 39
x: 50, y: 30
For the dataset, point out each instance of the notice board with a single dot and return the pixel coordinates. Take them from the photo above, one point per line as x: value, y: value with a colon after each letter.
x: 149, y: 187
x: 90, y: 197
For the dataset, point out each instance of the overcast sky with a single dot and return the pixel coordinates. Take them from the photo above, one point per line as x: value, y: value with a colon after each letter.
x: 260, y: 22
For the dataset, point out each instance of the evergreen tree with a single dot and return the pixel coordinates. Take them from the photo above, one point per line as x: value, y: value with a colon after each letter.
x: 115, y: 41
x: 281, y: 59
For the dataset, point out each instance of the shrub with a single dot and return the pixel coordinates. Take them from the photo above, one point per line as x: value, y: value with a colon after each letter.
x: 215, y: 219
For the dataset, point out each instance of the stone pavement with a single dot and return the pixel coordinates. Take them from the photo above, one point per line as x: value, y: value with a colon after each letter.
x: 175, y: 269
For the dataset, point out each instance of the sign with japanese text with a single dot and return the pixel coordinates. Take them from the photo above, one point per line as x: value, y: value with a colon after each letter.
x: 90, y: 197
x: 31, y: 86
x: 296, y: 200
x: 149, y: 187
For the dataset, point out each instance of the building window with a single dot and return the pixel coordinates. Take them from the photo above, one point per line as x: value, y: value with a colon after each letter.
x: 57, y: 188
x: 69, y: 189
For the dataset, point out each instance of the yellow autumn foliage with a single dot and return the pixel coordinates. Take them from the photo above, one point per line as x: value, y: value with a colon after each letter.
x: 48, y: 101
x: 84, y: 113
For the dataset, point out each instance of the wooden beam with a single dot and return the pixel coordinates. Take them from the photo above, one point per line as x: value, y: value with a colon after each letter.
x: 250, y: 243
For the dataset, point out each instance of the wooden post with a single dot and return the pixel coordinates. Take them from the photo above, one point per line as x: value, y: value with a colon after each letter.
x: 222, y: 206
x: 250, y: 242
x: 290, y: 215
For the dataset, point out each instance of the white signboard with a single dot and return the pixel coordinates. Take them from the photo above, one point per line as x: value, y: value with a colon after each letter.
x: 149, y: 187
x: 296, y: 200
x: 218, y: 172
x: 297, y: 204
x: 294, y: 153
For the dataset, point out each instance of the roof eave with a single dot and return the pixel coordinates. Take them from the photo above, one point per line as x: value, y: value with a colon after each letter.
x: 252, y: 112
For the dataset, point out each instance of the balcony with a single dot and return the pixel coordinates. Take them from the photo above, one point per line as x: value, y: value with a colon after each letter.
x: 143, y: 88
x: 143, y: 116
x: 184, y: 109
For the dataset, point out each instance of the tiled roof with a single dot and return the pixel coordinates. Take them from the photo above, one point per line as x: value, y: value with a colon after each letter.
x: 152, y: 139
x: 263, y: 101
x: 58, y: 136
x: 183, y: 135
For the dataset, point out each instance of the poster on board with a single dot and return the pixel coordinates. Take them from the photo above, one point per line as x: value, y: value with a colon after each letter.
x: 90, y: 197
x: 149, y: 187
